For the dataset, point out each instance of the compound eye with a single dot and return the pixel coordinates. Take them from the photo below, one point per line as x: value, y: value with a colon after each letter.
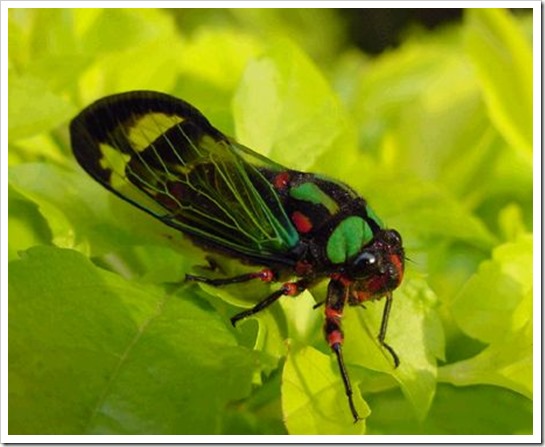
x: 364, y: 260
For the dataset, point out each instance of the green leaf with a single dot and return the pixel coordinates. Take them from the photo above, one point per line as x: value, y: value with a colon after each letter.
x: 498, y: 298
x: 298, y: 27
x: 284, y: 107
x: 503, y: 60
x: 421, y: 208
x: 303, y: 321
x: 434, y: 213
x: 71, y: 201
x: 419, y: 108
x: 26, y: 225
x: 313, y: 399
x: 47, y: 47
x: 111, y: 31
x: 444, y: 156
x: 135, y: 49
x: 471, y: 410
x: 93, y: 354
x: 495, y: 306
x: 271, y: 323
x: 511, y: 222
x: 507, y: 362
x: 33, y: 108
x: 52, y: 190
x: 218, y: 57
x: 414, y: 332
x: 213, y: 64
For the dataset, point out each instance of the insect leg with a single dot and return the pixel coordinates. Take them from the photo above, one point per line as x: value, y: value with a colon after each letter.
x: 266, y: 275
x: 337, y: 294
x: 289, y: 289
x: 337, y: 349
x: 384, y: 326
x: 321, y: 303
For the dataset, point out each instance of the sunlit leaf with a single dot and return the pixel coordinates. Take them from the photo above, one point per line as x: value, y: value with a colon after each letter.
x: 313, y: 399
x: 284, y: 107
x: 414, y: 332
x: 436, y: 133
x: 503, y: 59
x: 108, y: 356
x: 507, y: 362
x: 498, y: 298
x: 48, y: 109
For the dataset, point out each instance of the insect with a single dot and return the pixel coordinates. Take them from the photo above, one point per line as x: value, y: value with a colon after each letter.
x: 162, y: 155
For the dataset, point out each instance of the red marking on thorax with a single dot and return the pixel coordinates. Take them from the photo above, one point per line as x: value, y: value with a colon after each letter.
x: 301, y: 222
x: 282, y: 180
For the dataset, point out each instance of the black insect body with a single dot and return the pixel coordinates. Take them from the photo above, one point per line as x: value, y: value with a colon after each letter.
x: 163, y: 156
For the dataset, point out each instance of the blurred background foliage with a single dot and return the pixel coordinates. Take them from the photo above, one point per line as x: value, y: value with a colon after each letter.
x: 426, y: 112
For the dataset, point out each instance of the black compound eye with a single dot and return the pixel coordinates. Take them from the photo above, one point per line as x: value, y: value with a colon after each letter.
x: 364, y: 260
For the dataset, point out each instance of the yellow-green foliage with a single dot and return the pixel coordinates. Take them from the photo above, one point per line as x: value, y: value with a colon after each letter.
x: 435, y: 134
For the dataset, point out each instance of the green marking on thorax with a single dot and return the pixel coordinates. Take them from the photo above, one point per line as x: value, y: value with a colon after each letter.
x: 347, y: 239
x: 310, y: 192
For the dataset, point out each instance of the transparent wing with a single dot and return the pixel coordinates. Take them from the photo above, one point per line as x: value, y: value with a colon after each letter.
x: 162, y: 155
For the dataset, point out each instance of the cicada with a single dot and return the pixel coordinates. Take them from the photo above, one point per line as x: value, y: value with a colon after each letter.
x: 160, y: 154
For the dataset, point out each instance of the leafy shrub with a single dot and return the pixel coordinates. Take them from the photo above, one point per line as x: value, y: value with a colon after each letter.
x: 436, y: 134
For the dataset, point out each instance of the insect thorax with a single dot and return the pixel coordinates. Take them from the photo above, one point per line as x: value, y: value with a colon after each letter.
x: 332, y: 220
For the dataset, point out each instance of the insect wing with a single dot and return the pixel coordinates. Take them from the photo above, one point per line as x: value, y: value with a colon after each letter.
x: 163, y: 156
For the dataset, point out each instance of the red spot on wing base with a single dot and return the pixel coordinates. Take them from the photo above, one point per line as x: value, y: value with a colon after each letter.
x: 282, y: 180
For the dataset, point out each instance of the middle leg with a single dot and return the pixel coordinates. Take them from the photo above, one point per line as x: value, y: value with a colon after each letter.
x: 266, y: 275
x: 287, y: 289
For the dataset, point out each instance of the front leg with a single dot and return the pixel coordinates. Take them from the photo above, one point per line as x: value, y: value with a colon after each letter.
x: 383, y: 326
x: 337, y: 295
